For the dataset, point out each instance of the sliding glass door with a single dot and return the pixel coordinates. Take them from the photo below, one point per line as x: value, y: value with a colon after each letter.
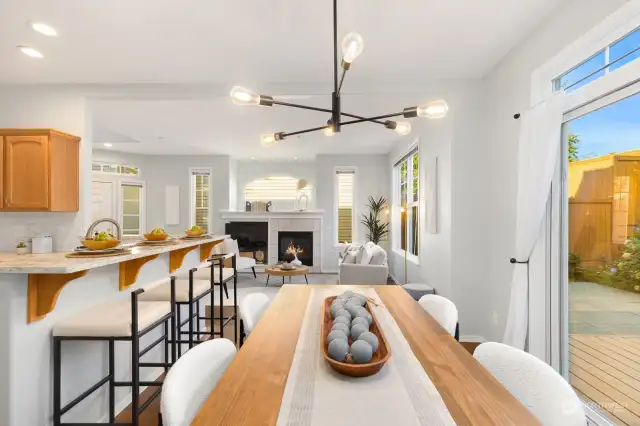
x: 600, y: 348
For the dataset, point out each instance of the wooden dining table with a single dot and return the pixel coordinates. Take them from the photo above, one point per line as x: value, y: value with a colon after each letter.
x: 250, y: 392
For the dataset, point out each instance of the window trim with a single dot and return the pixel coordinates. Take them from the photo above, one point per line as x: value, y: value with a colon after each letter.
x: 396, y: 238
x: 192, y: 197
x: 354, y: 213
x: 143, y: 204
x: 105, y: 163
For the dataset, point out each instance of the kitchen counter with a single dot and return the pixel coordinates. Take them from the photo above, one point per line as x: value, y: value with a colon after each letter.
x: 57, y: 263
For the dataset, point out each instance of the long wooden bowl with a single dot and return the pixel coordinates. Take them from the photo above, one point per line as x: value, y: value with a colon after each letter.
x: 349, y: 368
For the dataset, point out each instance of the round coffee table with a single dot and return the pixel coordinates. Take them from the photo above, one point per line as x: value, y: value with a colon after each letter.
x: 277, y: 272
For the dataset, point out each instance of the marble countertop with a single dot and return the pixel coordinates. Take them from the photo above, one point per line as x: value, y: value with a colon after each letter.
x: 57, y: 263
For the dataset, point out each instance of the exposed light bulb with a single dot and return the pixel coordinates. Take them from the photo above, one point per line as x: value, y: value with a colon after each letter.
x: 435, y: 109
x: 270, y: 139
x: 386, y: 211
x: 352, y: 45
x: 402, y: 209
x: 403, y: 127
x: 43, y: 28
x: 241, y: 96
x: 31, y: 52
x: 328, y: 131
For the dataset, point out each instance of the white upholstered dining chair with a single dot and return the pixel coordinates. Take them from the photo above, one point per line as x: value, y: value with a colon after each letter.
x: 534, y: 383
x: 442, y: 310
x: 231, y: 246
x: 192, y: 378
x: 251, y: 309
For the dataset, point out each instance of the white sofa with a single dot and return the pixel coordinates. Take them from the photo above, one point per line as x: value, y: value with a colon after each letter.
x: 363, y: 264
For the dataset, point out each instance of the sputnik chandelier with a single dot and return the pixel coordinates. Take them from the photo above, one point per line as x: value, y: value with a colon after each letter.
x: 352, y: 45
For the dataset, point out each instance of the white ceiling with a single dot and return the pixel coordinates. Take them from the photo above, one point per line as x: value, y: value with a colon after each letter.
x: 255, y: 43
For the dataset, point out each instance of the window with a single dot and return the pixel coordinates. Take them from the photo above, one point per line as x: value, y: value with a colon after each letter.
x: 200, y: 200
x: 132, y: 209
x: 612, y: 57
x: 115, y: 169
x: 406, y: 199
x: 345, y: 196
x: 275, y: 188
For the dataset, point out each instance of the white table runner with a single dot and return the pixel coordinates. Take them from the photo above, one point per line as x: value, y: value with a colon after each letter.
x: 401, y: 394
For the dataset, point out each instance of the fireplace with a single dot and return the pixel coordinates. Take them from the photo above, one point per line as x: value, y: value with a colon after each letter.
x: 304, y: 240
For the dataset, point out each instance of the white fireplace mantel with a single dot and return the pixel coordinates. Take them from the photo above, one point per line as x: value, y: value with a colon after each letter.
x: 284, y: 221
x: 265, y: 216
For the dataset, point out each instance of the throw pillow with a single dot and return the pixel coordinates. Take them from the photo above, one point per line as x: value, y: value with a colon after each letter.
x: 378, y: 256
x: 359, y: 255
x: 350, y: 257
x: 366, y: 255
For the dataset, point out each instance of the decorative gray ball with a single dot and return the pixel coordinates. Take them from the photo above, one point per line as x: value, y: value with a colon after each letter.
x: 371, y: 339
x: 361, y: 351
x: 356, y: 300
x: 362, y: 312
x: 343, y: 313
x: 343, y: 320
x: 335, y: 308
x: 339, y: 349
x: 348, y: 293
x: 337, y: 334
x: 353, y: 309
x: 357, y: 330
x: 360, y: 320
x: 342, y: 298
x: 342, y: 327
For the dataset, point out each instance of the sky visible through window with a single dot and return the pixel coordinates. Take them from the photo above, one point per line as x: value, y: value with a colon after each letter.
x: 615, y: 128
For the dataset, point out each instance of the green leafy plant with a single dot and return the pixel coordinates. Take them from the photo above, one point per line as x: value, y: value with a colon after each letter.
x: 624, y: 273
x: 376, y: 229
x: 21, y: 245
x: 574, y: 265
x: 574, y: 141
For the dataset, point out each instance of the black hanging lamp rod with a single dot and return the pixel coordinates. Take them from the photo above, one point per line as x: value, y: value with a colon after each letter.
x: 352, y: 45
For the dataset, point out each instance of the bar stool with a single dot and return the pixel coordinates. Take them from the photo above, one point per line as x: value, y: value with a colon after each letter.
x: 118, y: 321
x: 191, y: 287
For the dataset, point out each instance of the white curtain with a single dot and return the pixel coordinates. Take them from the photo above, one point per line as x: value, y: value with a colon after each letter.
x: 539, y: 144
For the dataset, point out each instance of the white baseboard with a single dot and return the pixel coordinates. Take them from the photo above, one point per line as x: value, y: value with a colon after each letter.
x: 472, y: 338
x: 126, y: 401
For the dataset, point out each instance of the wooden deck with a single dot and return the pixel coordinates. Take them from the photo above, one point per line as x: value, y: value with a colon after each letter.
x: 605, y: 372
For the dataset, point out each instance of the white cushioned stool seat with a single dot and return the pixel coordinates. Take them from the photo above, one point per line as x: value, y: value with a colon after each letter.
x: 111, y: 319
x: 204, y: 273
x: 161, y: 292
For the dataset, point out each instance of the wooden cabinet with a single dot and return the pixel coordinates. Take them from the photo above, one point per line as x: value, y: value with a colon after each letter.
x: 39, y: 170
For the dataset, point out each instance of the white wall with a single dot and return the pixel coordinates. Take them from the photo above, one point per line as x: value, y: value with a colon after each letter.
x: 507, y: 91
x: 448, y: 260
x: 249, y: 171
x: 372, y: 179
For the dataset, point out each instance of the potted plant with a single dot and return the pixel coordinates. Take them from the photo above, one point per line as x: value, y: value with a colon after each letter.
x: 21, y: 248
x: 376, y: 230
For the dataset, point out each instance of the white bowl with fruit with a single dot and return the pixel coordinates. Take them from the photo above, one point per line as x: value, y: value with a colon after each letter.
x: 156, y: 234
x: 101, y: 241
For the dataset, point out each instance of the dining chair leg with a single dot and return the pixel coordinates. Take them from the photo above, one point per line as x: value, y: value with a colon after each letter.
x: 254, y: 272
x: 305, y: 278
x: 267, y: 284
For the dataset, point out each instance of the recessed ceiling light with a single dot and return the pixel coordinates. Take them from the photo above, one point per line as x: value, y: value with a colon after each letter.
x: 253, y: 158
x: 295, y: 158
x: 108, y: 145
x: 43, y: 28
x: 31, y: 52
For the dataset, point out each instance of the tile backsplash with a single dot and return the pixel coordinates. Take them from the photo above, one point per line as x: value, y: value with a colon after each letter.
x: 65, y: 228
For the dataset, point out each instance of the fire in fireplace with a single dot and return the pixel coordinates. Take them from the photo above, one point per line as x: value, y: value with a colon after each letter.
x: 301, y: 240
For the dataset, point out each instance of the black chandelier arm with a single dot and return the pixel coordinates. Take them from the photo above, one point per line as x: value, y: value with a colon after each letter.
x: 335, y: 47
x: 344, y: 72
x: 288, y: 104
x: 373, y: 119
x: 299, y: 132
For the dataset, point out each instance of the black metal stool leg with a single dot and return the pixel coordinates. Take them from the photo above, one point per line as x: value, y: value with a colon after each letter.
x: 135, y: 360
x: 235, y: 301
x: 57, y: 359
x: 112, y: 379
x: 267, y: 284
x: 305, y: 278
x: 178, y: 331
